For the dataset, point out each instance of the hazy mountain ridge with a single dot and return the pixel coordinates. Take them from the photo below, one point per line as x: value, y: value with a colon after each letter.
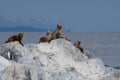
x: 30, y: 26
x: 21, y: 28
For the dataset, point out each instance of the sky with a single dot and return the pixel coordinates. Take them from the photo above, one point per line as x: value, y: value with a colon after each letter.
x: 75, y: 15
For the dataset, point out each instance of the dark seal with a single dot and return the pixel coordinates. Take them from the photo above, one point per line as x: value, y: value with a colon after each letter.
x: 47, y: 38
x: 57, y: 33
x: 77, y: 45
x: 16, y: 38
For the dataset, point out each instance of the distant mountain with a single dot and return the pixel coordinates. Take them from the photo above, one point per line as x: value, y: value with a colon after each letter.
x: 7, y: 25
x: 21, y: 29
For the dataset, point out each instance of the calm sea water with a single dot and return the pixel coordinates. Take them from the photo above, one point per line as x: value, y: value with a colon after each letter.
x: 104, y: 45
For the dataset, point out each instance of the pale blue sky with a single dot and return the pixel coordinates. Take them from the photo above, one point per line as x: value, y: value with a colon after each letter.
x: 76, y: 15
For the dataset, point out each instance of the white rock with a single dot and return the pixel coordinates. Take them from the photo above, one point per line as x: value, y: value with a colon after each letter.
x: 4, y: 63
x: 57, y: 60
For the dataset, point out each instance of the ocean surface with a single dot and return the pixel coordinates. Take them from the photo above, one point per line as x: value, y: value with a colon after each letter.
x: 105, y: 46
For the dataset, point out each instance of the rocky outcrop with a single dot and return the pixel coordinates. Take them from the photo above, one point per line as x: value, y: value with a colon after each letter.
x: 57, y: 60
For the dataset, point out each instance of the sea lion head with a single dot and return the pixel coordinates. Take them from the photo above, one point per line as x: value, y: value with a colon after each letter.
x: 48, y: 32
x: 59, y: 26
x: 20, y: 34
x: 48, y: 35
x: 78, y: 42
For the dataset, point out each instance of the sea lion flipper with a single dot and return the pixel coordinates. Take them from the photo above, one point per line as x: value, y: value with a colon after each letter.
x: 21, y: 43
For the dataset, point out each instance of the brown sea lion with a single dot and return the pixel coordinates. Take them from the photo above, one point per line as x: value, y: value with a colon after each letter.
x: 47, y: 38
x: 16, y: 38
x: 57, y: 33
x: 77, y: 45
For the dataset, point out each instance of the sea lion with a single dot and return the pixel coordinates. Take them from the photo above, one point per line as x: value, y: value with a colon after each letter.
x: 16, y: 38
x: 77, y: 45
x: 57, y: 33
x: 47, y: 38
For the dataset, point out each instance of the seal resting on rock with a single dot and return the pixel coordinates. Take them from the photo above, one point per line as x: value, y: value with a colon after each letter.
x: 47, y: 38
x: 57, y: 33
x: 77, y: 45
x: 16, y: 38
